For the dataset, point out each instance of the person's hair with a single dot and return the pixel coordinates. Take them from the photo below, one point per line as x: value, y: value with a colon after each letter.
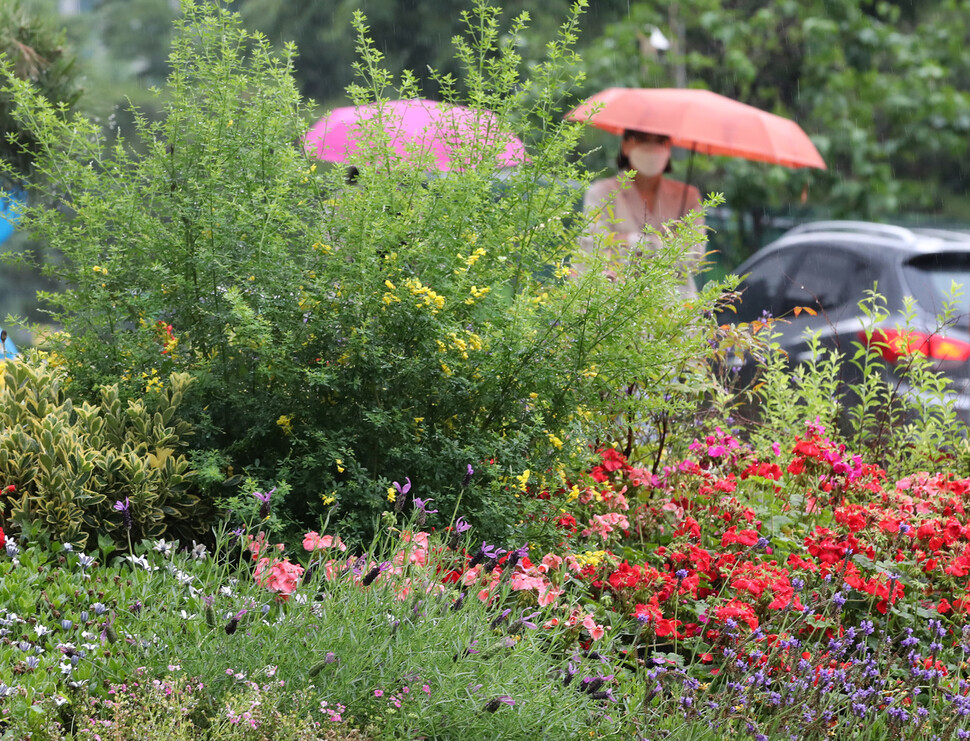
x: 623, y: 162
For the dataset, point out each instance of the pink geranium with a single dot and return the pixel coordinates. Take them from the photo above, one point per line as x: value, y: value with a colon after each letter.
x: 278, y: 575
x: 313, y: 541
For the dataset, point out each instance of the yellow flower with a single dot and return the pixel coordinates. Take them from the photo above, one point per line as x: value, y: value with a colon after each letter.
x: 556, y: 441
x: 340, y: 466
x: 391, y: 494
x: 152, y: 382
x: 285, y: 423
x: 329, y: 499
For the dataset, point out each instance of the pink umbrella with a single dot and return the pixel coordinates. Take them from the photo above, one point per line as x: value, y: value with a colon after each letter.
x: 413, y: 127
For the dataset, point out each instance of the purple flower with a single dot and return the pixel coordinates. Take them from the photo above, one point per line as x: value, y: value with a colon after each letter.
x: 491, y: 551
x: 461, y: 526
x: 125, y: 509
x: 500, y: 618
x: 401, y: 494
x: 422, y: 504
x: 492, y: 705
x: 514, y: 557
x: 468, y: 475
x: 264, y: 502
x: 526, y: 621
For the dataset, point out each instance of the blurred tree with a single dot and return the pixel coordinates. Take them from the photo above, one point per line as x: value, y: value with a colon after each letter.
x: 883, y: 93
x: 412, y: 34
x: 35, y: 49
x: 138, y: 33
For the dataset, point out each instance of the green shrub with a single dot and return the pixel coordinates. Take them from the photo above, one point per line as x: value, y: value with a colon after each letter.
x: 347, y: 337
x: 903, y: 421
x: 70, y: 464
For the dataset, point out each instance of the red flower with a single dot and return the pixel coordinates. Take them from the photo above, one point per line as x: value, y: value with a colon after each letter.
x: 744, y: 537
x: 666, y: 626
x: 796, y: 466
x: 3, y: 538
x: 738, y: 611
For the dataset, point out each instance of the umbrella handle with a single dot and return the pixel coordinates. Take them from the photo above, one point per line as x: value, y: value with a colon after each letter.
x: 690, y: 170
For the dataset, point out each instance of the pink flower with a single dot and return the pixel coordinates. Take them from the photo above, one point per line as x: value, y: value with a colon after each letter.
x: 278, y: 576
x: 421, y: 538
x: 521, y: 582
x: 548, y: 596
x: 312, y: 541
x: 550, y: 562
x: 595, y: 631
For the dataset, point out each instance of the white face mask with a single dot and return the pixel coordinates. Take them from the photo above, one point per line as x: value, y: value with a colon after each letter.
x: 649, y: 159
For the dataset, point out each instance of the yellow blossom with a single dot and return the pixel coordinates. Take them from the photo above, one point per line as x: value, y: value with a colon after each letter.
x: 340, y: 465
x: 391, y: 494
x: 285, y: 423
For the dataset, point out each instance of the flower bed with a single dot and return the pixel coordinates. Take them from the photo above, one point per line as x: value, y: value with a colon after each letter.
x: 803, y: 596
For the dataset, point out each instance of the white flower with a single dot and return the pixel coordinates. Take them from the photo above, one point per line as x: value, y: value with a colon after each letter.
x: 183, y: 577
x: 198, y: 551
x: 141, y: 561
x: 165, y: 547
x: 41, y: 630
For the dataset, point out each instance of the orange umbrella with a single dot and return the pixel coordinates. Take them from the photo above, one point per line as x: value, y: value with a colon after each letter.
x: 703, y: 122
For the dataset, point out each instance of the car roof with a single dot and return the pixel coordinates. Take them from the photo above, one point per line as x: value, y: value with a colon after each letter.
x: 863, y: 236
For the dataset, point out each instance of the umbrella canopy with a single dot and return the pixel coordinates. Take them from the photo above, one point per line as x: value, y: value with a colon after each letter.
x: 702, y: 121
x: 416, y: 126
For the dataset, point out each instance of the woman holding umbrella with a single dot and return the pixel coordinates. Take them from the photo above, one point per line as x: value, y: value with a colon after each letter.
x: 697, y: 120
x: 650, y: 200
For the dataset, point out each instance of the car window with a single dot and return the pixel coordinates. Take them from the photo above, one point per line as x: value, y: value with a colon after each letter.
x: 930, y: 280
x: 828, y: 280
x: 762, y: 290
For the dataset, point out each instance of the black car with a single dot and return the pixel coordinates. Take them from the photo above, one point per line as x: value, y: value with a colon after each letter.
x: 829, y: 266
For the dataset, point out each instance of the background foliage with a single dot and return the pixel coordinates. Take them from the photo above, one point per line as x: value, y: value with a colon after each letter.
x: 343, y: 338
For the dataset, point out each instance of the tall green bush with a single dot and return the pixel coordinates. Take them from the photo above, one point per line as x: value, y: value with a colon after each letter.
x: 405, y: 328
